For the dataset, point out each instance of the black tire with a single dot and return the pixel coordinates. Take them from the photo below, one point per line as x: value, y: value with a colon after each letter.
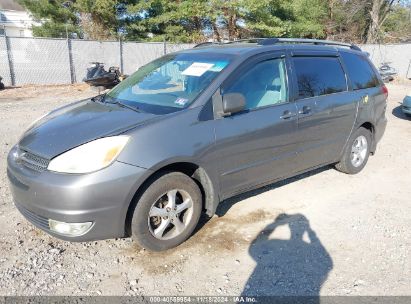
x: 408, y: 115
x: 2, y: 87
x: 140, y: 230
x: 346, y: 165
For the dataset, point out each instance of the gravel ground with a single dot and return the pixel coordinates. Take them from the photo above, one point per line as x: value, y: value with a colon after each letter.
x: 321, y: 233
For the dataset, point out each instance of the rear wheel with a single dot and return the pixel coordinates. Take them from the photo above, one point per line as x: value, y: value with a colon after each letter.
x: 356, y: 153
x: 167, y: 212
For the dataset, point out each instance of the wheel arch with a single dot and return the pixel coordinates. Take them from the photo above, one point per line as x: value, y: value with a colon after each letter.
x: 196, y: 172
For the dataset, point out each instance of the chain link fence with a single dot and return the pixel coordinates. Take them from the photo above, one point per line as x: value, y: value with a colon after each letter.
x: 5, y: 71
x: 60, y: 61
x: 39, y: 61
x: 83, y: 52
x: 397, y: 56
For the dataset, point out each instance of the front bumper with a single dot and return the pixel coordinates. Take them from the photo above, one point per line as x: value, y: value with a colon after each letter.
x: 101, y: 197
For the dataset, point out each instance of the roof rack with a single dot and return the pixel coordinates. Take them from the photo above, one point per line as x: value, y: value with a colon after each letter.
x: 250, y: 40
x: 270, y: 41
x: 205, y: 44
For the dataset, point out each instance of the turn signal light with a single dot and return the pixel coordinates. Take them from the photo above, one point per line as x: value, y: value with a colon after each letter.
x: 384, y: 90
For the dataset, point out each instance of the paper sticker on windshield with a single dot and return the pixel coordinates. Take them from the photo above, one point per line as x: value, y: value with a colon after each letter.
x: 181, y: 101
x: 197, y: 69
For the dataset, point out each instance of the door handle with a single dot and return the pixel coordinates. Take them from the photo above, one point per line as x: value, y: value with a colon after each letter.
x: 287, y: 114
x: 305, y: 110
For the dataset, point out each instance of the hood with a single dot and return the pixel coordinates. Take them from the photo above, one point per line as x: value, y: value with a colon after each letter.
x: 76, y: 124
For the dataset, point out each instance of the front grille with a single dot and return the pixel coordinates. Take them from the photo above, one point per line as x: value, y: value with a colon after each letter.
x: 33, y: 161
x: 37, y: 220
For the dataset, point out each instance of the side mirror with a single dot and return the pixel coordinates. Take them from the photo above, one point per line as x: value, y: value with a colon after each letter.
x: 233, y: 103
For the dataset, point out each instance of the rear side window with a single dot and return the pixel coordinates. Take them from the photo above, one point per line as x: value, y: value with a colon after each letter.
x: 318, y: 76
x: 359, y: 71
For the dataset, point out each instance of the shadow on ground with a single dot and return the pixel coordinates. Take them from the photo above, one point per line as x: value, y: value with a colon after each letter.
x: 397, y: 112
x: 224, y: 206
x: 297, y: 266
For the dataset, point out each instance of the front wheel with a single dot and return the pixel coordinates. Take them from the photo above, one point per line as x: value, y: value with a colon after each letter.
x: 167, y: 212
x: 356, y: 153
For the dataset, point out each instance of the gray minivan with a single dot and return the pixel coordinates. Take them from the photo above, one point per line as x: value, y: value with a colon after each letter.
x: 192, y: 128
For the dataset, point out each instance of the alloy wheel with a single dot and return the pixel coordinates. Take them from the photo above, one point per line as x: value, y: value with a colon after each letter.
x: 170, y: 214
x: 359, y: 151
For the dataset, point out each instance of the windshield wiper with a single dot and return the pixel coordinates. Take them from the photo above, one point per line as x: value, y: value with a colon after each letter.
x: 136, y: 109
x: 111, y: 100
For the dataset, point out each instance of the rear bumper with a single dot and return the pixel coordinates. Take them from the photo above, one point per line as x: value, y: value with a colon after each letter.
x: 101, y: 197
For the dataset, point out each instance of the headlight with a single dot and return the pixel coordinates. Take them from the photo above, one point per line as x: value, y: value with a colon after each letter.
x: 89, y: 157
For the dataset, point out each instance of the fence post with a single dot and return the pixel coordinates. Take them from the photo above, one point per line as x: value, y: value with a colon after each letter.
x: 121, y: 56
x: 10, y: 58
x: 165, y: 46
x: 71, y: 63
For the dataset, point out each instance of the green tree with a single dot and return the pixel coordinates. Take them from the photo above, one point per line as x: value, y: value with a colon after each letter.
x: 56, y: 18
x: 178, y: 21
x: 397, y: 25
x: 309, y: 17
x: 286, y: 18
x: 98, y: 18
x: 226, y: 18
x: 200, y: 20
x: 94, y: 19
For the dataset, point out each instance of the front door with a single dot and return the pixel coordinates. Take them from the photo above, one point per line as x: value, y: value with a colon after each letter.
x: 258, y: 144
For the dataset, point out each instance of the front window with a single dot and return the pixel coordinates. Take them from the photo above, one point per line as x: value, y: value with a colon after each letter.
x: 264, y: 84
x: 170, y: 83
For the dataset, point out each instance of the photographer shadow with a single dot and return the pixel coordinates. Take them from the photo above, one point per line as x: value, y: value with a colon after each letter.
x: 295, y: 267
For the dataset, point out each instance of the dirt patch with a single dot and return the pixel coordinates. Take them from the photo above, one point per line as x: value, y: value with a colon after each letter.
x: 34, y: 91
x: 219, y: 234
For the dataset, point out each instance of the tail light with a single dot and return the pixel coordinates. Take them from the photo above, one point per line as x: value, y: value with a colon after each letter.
x: 384, y: 90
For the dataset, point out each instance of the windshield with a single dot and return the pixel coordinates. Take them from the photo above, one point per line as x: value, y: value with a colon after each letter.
x: 170, y: 83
